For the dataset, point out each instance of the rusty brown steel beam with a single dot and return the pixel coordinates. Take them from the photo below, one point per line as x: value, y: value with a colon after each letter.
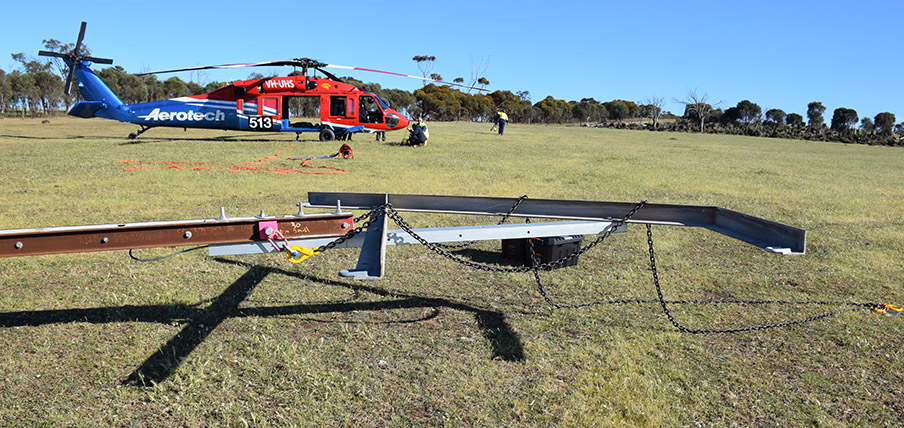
x: 75, y: 239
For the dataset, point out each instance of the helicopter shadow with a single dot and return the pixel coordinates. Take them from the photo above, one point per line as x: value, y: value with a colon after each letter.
x: 149, y: 140
x: 199, y: 322
x: 67, y: 137
x: 218, y: 139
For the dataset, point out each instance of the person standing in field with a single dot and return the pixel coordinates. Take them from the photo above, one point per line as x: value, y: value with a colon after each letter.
x: 503, y: 118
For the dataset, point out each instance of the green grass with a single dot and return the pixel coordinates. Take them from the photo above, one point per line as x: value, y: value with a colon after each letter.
x: 256, y: 341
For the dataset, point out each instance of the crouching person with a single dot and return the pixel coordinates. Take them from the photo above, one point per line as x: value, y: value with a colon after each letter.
x: 417, y: 134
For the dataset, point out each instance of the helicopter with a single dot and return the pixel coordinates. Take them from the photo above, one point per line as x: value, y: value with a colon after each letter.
x: 260, y: 104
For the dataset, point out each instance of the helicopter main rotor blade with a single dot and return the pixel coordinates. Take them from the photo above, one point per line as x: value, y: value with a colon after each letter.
x: 329, y: 75
x: 237, y: 65
x: 97, y: 60
x: 306, y: 63
x: 346, y: 67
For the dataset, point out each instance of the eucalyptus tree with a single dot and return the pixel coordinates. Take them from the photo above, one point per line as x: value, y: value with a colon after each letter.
x: 885, y: 122
x: 814, y: 113
x: 776, y: 115
x: 843, y: 118
x: 794, y: 119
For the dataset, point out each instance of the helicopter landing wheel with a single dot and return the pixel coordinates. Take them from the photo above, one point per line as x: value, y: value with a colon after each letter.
x: 327, y: 134
x: 135, y: 135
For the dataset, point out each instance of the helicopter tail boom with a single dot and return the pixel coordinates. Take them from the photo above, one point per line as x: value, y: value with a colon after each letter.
x: 100, y: 101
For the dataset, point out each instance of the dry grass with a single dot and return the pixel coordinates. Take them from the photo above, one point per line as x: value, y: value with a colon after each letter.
x: 255, y: 341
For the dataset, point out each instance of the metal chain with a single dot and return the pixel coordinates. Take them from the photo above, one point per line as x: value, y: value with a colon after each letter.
x: 504, y: 218
x: 663, y: 303
x: 388, y: 210
x: 668, y: 314
x: 555, y: 264
x: 370, y: 216
x: 394, y: 215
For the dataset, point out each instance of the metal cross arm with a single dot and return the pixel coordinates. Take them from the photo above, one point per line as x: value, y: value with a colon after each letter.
x: 766, y: 234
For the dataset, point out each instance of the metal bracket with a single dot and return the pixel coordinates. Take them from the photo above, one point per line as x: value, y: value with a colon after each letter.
x: 372, y: 258
x: 266, y: 229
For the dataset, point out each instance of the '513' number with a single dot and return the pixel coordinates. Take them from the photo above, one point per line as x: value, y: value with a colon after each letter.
x: 260, y: 123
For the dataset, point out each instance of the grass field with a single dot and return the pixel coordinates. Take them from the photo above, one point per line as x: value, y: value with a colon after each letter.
x: 256, y: 341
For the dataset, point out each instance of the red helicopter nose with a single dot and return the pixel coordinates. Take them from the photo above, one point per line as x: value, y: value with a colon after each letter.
x: 394, y: 120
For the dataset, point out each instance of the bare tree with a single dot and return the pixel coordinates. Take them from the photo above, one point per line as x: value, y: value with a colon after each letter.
x: 199, y: 77
x: 653, y: 109
x: 697, y: 105
x: 477, y: 72
x: 425, y: 64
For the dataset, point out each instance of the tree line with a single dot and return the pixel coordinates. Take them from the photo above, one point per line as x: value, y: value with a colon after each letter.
x: 36, y: 89
x: 748, y: 118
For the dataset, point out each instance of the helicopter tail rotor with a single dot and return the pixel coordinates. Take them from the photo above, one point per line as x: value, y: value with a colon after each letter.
x: 74, y: 57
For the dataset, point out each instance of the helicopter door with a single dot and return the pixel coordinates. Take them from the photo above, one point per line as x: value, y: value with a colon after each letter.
x: 337, y: 106
x: 301, y: 110
x: 342, y: 109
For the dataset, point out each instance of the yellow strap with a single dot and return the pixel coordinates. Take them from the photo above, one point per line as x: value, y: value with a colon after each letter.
x: 886, y: 308
x: 301, y: 254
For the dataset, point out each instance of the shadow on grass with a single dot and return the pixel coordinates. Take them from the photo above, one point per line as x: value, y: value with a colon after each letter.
x: 68, y: 137
x: 488, y: 257
x: 200, y: 322
x: 222, y: 138
x: 148, y: 140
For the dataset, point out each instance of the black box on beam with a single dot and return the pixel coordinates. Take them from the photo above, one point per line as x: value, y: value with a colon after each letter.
x: 546, y: 249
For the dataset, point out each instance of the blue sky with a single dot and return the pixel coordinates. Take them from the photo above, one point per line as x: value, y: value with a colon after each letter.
x: 778, y: 54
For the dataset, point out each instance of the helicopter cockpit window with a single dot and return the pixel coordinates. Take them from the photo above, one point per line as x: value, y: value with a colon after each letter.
x: 337, y: 106
x: 384, y: 103
x: 369, y: 111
